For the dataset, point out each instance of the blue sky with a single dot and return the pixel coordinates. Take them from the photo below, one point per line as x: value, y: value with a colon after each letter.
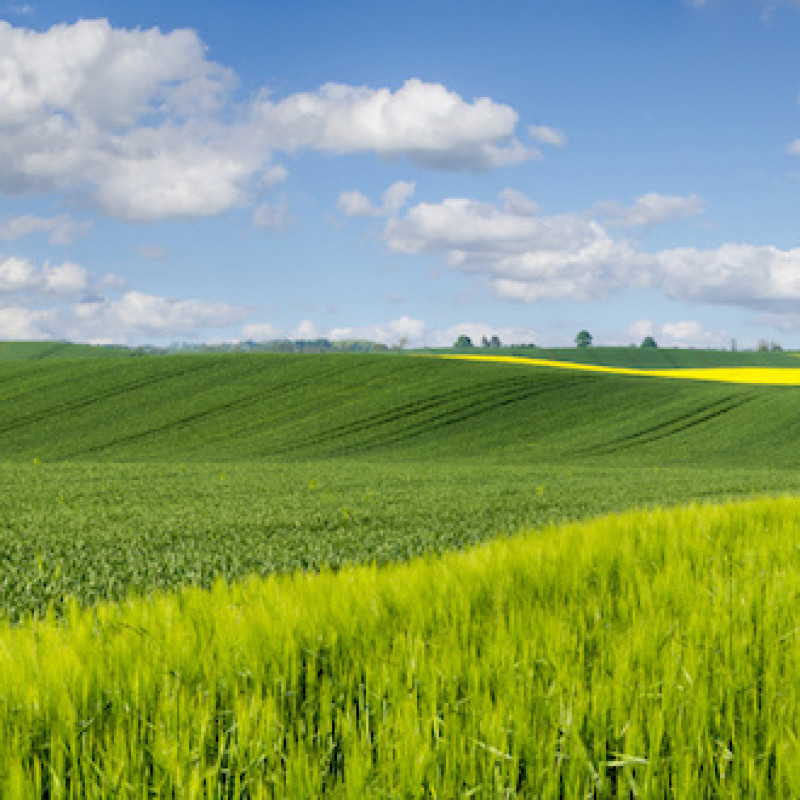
x: 401, y: 172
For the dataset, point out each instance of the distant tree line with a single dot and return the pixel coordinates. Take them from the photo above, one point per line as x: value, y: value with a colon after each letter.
x: 465, y: 342
x: 273, y: 346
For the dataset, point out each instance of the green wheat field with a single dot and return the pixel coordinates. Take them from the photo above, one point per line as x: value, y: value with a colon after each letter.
x: 396, y: 576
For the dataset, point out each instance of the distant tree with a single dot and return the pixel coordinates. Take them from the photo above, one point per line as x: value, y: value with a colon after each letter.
x: 763, y: 345
x: 484, y: 341
x: 648, y: 341
x: 463, y: 341
x: 583, y: 339
x: 495, y: 342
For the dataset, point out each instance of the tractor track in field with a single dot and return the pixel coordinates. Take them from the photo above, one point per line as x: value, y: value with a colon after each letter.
x: 670, y: 427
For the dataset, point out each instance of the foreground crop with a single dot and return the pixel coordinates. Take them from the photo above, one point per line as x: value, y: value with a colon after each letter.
x: 649, y: 654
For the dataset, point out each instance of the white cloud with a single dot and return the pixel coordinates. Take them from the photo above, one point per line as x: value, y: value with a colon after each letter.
x: 144, y: 125
x: 66, y: 278
x: 23, y: 324
x: 733, y: 274
x: 66, y: 301
x: 18, y: 275
x: 397, y: 195
x: 526, y: 257
x: 544, y: 134
x: 681, y: 333
x: 356, y: 204
x: 273, y: 216
x: 136, y: 315
x: 529, y: 257
x: 404, y: 329
x: 424, y: 122
x: 306, y: 330
x: 639, y: 329
x: 691, y: 333
x: 794, y: 148
x: 62, y: 229
x: 650, y: 209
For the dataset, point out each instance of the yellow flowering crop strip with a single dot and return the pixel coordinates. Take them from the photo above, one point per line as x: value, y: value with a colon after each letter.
x: 772, y: 376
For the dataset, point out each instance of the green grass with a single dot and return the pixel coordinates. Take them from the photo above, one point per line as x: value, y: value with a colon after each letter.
x: 257, y: 521
x: 97, y: 532
x: 650, y: 655
x: 38, y: 351
x: 296, y: 408
x: 144, y: 474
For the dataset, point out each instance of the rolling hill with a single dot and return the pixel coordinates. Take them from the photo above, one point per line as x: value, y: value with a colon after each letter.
x: 294, y: 408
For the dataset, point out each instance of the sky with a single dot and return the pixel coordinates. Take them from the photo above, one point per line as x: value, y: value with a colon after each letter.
x: 401, y: 172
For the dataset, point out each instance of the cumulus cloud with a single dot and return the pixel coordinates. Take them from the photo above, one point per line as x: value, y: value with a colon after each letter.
x: 62, y: 229
x: 144, y: 125
x: 734, y: 274
x: 356, y: 204
x: 17, y: 322
x: 640, y: 328
x: 136, y: 315
x: 67, y: 301
x: 133, y: 317
x: 424, y: 122
x: 20, y: 275
x: 680, y: 333
x: 525, y: 256
x: 650, y: 209
x: 404, y: 329
x: 529, y: 257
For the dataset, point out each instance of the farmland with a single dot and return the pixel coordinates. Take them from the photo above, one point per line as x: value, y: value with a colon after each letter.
x: 146, y: 500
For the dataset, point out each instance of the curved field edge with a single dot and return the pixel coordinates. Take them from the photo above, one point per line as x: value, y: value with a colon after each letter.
x: 771, y: 376
x: 652, y: 653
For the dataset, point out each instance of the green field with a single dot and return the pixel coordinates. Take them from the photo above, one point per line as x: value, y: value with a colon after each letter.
x: 641, y: 357
x: 38, y: 351
x: 128, y: 476
x: 648, y: 655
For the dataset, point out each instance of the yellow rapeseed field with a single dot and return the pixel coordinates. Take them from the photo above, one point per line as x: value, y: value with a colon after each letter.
x: 775, y: 376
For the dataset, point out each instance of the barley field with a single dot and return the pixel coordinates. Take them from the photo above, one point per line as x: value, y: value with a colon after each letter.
x: 647, y: 654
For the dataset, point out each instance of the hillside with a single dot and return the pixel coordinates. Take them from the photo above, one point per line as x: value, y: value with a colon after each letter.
x: 38, y: 351
x: 229, y: 407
